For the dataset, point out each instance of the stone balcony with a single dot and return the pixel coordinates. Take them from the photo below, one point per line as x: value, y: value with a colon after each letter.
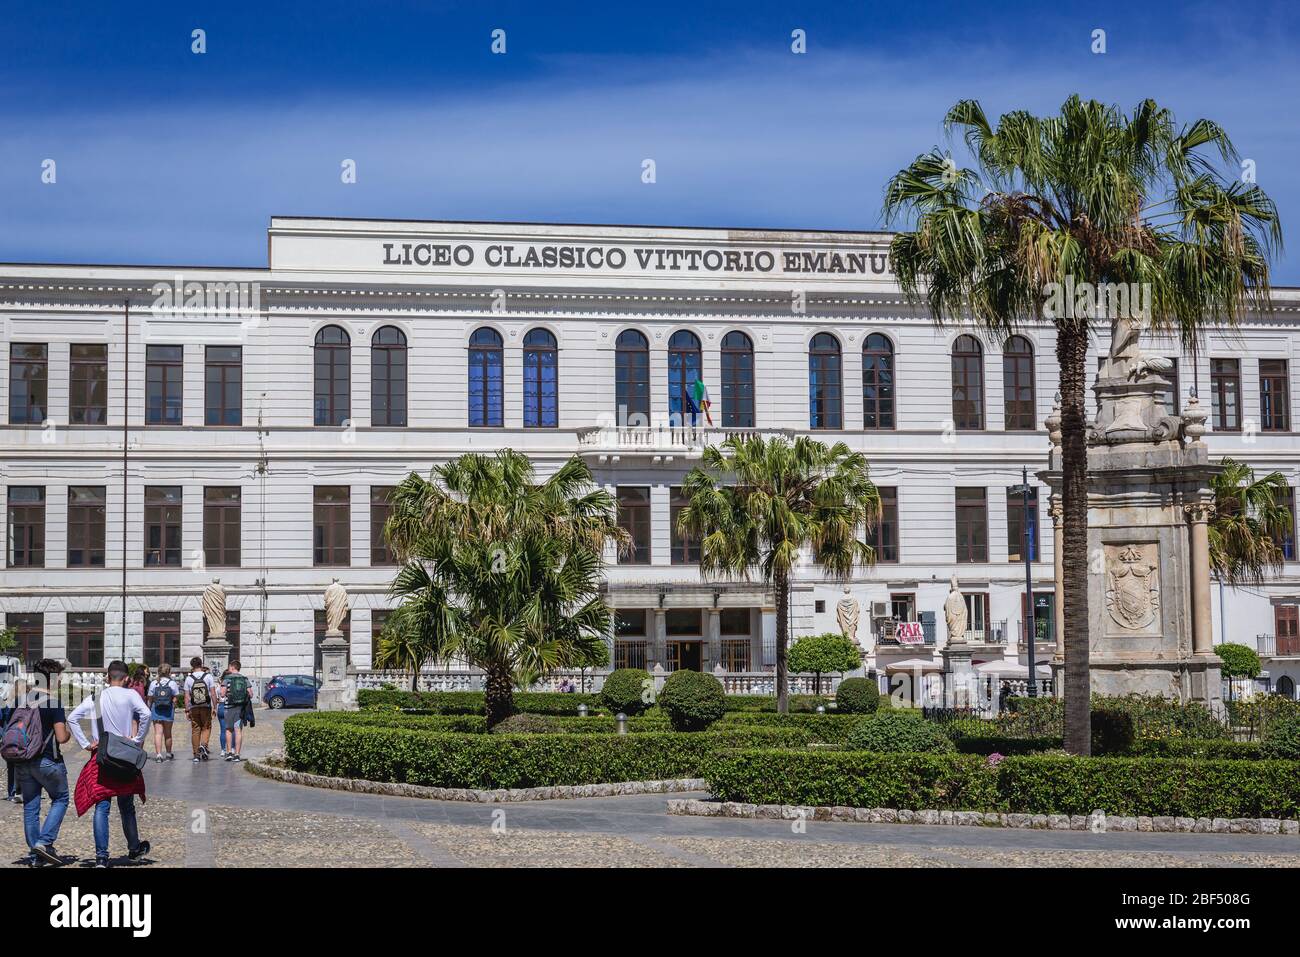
x: 660, y: 443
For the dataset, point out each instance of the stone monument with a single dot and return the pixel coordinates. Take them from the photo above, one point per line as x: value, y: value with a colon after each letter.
x: 1149, y: 501
x: 216, y: 648
x: 846, y: 614
x: 338, y: 687
x: 960, y: 684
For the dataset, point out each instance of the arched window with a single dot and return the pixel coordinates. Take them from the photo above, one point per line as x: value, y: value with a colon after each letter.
x: 1286, y: 686
x: 737, y: 381
x: 541, y: 381
x: 333, y: 393
x: 1018, y: 384
x: 967, y: 384
x: 877, y: 382
x: 632, y: 379
x: 388, y: 377
x: 825, y: 408
x: 684, y: 370
x: 485, y: 396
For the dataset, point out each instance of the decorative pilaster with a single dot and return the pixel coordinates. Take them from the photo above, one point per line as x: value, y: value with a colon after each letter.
x: 659, y: 646
x: 1058, y: 575
x: 1199, y: 515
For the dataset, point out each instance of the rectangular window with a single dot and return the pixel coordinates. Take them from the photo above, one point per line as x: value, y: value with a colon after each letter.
x: 1170, y: 396
x: 87, y: 511
x: 29, y: 632
x: 630, y: 654
x: 26, y: 526
x: 630, y: 638
x: 378, y: 618
x: 685, y: 548
x: 1286, y: 622
x: 28, y: 382
x: 972, y: 525
x: 902, y: 607
x: 733, y: 621
x: 162, y: 638
x: 232, y: 632
x: 380, y: 510
x: 1288, y: 541
x: 683, y: 622
x: 1274, y: 396
x: 883, y: 536
x: 332, y: 531
x: 86, y: 639
x: 221, y: 526
x: 223, y: 385
x: 1225, y: 395
x: 88, y: 385
x: 162, y: 525
x: 1016, y: 526
x: 634, y: 518
x: 977, y: 616
x: 163, y: 374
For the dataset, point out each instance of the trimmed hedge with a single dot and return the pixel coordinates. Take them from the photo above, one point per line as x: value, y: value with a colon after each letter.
x: 364, y: 749
x: 1216, y: 749
x: 898, y: 732
x: 990, y: 744
x: 1152, y: 716
x: 692, y: 700
x: 1040, y: 784
x: 553, y: 702
x: 857, y: 696
x: 1282, y: 739
x: 624, y: 691
x: 825, y: 728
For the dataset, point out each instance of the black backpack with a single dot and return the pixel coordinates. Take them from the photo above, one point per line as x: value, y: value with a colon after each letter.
x: 200, y: 695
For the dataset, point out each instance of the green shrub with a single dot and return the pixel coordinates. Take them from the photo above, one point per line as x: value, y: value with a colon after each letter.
x: 1239, y: 661
x: 1112, y: 732
x: 989, y: 744
x: 524, y: 723
x: 1282, y: 739
x: 1032, y: 784
x: 825, y: 728
x: 325, y: 744
x: 1214, y: 749
x: 625, y: 690
x: 473, y: 702
x: 1254, y: 714
x: 692, y: 700
x: 899, y: 731
x: 798, y: 703
x: 857, y: 696
x: 822, y: 654
x: 1153, y: 717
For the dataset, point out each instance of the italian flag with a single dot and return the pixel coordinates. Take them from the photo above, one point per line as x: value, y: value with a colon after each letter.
x: 702, y: 399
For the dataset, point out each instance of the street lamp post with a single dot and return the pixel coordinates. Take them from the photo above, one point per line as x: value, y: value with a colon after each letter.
x: 1030, y: 625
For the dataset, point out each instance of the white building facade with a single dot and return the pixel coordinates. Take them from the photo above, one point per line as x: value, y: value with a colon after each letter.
x: 267, y: 411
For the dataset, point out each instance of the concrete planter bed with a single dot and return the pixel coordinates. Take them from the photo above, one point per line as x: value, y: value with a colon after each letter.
x: 1096, y: 821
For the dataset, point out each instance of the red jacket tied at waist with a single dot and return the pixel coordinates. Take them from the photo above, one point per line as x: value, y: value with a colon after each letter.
x: 91, y: 789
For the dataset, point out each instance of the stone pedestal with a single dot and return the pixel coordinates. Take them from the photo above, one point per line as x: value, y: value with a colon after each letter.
x: 960, y: 680
x: 216, y: 655
x: 1148, y: 584
x: 338, y: 690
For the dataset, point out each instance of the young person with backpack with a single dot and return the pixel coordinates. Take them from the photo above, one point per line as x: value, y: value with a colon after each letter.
x: 34, y: 727
x: 161, y: 698
x: 234, y: 695
x: 200, y: 689
x: 119, y: 723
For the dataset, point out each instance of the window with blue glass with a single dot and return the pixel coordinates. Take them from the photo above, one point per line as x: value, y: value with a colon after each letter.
x: 685, y: 368
x: 485, y: 362
x: 332, y: 395
x: 541, y: 381
x: 825, y: 400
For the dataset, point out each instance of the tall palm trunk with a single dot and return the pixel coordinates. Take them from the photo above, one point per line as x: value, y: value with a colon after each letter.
x: 781, y: 583
x: 1072, y: 355
x: 500, y: 694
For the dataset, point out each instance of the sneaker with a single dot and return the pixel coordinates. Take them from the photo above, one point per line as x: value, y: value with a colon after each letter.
x: 235, y: 757
x: 46, y: 853
x: 170, y: 756
x: 158, y: 758
x: 196, y: 759
x: 139, y: 852
x: 101, y: 862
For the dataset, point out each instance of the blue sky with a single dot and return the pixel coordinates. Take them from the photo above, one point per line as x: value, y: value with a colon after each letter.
x: 164, y: 156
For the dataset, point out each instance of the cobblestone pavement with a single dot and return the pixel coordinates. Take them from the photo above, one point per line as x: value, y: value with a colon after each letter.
x: 217, y: 814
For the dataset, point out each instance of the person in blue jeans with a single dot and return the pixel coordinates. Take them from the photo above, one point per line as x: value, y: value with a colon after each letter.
x: 46, y: 773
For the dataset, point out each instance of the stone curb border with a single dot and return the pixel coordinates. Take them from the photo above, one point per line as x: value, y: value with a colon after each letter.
x: 1096, y: 821
x: 501, y: 796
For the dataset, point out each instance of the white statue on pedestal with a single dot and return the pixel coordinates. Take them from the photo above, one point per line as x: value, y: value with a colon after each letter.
x: 954, y: 613
x: 214, y: 609
x: 846, y: 614
x: 336, y: 607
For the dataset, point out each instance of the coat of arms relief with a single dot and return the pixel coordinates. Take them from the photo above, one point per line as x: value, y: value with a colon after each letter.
x: 1133, y: 586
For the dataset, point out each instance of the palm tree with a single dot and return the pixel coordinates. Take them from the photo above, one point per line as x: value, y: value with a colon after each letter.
x: 1252, y: 519
x: 756, y: 503
x: 1092, y: 195
x: 503, y: 571
x: 403, y: 647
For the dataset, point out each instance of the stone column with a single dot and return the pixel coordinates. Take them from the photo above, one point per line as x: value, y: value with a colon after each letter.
x: 659, y: 640
x: 1058, y: 577
x: 713, y: 639
x: 1199, y: 515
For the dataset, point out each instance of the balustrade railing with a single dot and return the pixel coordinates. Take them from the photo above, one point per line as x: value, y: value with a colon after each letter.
x: 733, y: 682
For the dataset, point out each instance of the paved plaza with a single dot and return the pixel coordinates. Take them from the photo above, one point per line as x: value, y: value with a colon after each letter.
x: 218, y: 814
